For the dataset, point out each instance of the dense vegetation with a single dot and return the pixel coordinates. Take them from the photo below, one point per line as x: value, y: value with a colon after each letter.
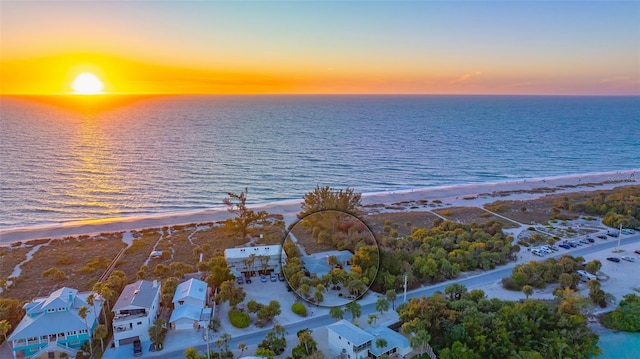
x: 626, y: 317
x: 441, y: 253
x: 619, y: 207
x: 327, y: 198
x: 464, y: 324
x: 539, y: 274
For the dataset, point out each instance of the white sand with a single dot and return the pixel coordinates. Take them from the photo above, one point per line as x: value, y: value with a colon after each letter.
x: 452, y: 195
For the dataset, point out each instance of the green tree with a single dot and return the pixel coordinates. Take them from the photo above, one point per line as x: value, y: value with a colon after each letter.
x: 391, y: 297
x: 191, y: 353
x: 82, y: 312
x: 455, y: 291
x: 229, y: 292
x: 158, y: 332
x: 419, y: 340
x: 242, y: 347
x: 327, y: 198
x: 244, y: 217
x: 373, y: 318
x: 100, y: 333
x: 11, y: 311
x: 381, y: 343
x: 266, y: 353
x: 382, y: 305
x: 354, y: 308
x: 336, y: 313
x: 527, y: 290
x: 593, y: 266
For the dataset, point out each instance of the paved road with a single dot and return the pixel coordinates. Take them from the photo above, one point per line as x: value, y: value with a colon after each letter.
x: 470, y: 282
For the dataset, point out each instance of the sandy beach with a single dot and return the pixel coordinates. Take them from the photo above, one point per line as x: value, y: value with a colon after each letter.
x: 453, y: 195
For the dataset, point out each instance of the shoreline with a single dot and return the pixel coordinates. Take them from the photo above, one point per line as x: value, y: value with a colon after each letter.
x: 457, y: 194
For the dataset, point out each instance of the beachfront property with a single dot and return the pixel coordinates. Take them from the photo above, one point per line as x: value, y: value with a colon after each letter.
x: 318, y: 263
x: 350, y: 342
x: 53, y: 324
x: 136, y: 309
x: 246, y: 261
x: 190, y: 310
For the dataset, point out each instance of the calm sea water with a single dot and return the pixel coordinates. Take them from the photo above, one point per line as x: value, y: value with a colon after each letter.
x: 184, y: 153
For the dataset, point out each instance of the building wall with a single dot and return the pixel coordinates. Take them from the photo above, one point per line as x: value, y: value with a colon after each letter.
x: 337, y: 343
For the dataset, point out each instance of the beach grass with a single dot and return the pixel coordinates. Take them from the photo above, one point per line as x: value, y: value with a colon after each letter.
x: 470, y: 215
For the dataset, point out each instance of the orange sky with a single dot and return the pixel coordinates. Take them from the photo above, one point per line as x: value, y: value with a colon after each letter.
x: 311, y: 47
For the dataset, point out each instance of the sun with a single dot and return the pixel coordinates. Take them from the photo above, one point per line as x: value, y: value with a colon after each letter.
x: 87, y: 84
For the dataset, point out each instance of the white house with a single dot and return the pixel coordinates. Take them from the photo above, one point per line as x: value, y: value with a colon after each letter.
x: 245, y: 261
x: 136, y: 309
x: 348, y: 340
x: 351, y: 342
x: 53, y: 324
x: 190, y: 306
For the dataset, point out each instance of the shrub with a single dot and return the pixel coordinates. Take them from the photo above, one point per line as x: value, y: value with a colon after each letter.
x: 239, y: 319
x: 531, y: 228
x: 299, y: 309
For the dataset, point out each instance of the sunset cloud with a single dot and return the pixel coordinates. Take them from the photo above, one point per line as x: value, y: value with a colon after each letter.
x: 465, y: 77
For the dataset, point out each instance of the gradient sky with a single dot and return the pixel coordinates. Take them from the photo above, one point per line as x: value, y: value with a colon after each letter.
x: 447, y: 47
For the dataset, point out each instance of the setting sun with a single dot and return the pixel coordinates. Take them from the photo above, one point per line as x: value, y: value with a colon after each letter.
x: 87, y: 84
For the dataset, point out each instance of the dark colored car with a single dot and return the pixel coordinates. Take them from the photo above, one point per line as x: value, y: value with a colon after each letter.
x: 601, y: 236
x: 137, y: 348
x: 281, y: 277
x: 636, y: 252
x: 613, y: 259
x: 591, y: 240
x: 565, y: 246
x: 240, y: 280
x: 247, y: 279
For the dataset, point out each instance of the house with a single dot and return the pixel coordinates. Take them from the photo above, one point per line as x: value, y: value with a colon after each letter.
x: 53, y: 324
x: 190, y: 308
x: 245, y: 261
x: 318, y: 263
x: 136, y: 309
x: 351, y: 342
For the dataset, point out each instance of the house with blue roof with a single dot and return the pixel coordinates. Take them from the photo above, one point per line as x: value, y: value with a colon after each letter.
x: 53, y: 324
x: 351, y: 342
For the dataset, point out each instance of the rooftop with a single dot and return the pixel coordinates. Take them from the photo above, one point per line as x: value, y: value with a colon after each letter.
x: 245, y: 252
x: 192, y: 288
x: 139, y: 294
x: 350, y: 332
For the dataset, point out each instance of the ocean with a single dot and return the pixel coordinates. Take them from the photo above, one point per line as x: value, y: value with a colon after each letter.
x: 183, y: 153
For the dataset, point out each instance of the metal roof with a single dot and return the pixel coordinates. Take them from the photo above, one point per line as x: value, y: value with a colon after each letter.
x: 350, y: 332
x: 192, y: 288
x: 139, y: 294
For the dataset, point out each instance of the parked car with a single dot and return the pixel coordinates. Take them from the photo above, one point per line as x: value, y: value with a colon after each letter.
x: 613, y: 259
x: 629, y: 259
x: 240, y: 280
x: 263, y: 278
x: 612, y: 234
x: 601, y: 236
x: 585, y: 241
x: 553, y: 248
x: 273, y: 277
x: 565, y: 246
x: 591, y: 240
x: 573, y: 245
x: 247, y: 279
x: 636, y: 252
x: 281, y: 277
x: 137, y: 348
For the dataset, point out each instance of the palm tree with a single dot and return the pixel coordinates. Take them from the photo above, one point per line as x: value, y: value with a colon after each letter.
x: 82, y: 312
x: 225, y: 338
x: 106, y: 293
x: 242, y: 347
x: 420, y: 339
x: 391, y: 296
x: 279, y: 330
x: 381, y: 343
x: 101, y: 333
x: 382, y: 305
x: 91, y: 300
x: 353, y: 308
x: 336, y: 313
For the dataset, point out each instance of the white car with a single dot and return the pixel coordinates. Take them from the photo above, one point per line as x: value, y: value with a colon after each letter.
x: 629, y: 259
